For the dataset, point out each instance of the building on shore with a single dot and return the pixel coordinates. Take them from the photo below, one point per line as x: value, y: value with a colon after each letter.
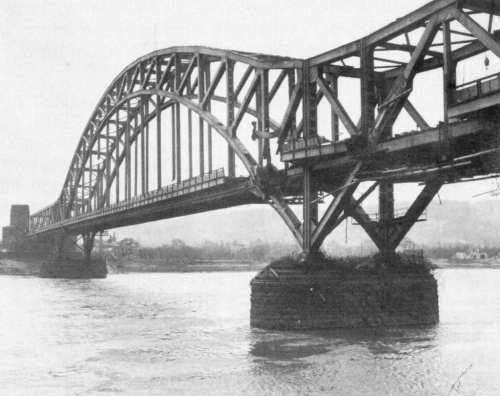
x: 408, y: 247
x: 472, y: 254
x: 129, y: 247
x: 106, y: 248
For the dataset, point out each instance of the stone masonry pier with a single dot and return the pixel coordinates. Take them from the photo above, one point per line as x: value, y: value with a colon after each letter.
x: 291, y: 297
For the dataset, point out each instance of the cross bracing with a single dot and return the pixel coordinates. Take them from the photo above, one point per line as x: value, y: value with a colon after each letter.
x: 177, y: 114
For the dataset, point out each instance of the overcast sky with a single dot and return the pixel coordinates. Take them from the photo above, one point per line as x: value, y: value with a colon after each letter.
x: 58, y: 57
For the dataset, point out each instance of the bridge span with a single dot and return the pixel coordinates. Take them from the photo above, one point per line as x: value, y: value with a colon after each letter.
x: 190, y: 129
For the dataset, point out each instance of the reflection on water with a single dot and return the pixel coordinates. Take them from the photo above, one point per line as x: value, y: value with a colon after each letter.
x: 286, y: 349
x: 189, y: 334
x: 362, y: 361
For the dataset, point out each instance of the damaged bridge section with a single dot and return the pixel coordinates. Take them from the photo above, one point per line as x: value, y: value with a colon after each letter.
x: 185, y: 130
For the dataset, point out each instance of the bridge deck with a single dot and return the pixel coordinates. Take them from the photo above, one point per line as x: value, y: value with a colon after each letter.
x: 114, y: 150
x: 475, y: 95
x: 327, y: 154
x: 176, y: 200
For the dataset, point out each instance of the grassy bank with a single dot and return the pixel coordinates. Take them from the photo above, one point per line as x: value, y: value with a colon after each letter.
x: 25, y: 266
x: 151, y: 265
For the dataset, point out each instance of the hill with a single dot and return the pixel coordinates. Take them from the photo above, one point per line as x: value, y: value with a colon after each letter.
x: 449, y: 222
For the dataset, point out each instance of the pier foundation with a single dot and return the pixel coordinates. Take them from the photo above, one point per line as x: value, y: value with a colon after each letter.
x: 295, y: 297
x: 73, y: 268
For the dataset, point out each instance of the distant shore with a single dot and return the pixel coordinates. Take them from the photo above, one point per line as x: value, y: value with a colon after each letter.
x: 29, y: 265
x: 453, y: 263
x: 144, y: 265
x: 23, y: 265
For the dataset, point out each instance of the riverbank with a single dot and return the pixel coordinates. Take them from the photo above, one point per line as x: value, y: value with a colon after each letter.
x: 26, y: 265
x: 451, y: 263
x: 145, y: 265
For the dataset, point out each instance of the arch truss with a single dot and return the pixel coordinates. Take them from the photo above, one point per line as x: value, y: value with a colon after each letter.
x: 162, y: 119
x: 158, y: 122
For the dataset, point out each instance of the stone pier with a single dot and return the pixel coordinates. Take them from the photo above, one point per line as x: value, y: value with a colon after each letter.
x: 301, y: 297
x: 73, y: 268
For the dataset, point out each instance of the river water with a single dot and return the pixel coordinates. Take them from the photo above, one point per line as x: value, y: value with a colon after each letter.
x: 189, y: 334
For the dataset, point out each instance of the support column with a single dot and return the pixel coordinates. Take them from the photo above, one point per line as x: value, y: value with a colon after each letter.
x: 201, y: 95
x: 158, y: 125
x: 88, y: 243
x: 117, y: 156
x: 108, y: 163
x: 70, y: 267
x: 334, y: 85
x: 190, y: 135
x: 174, y: 162
x: 264, y: 113
x: 62, y: 246
x: 307, y: 215
x: 231, y: 158
x: 386, y: 209
x: 83, y: 201
x: 416, y: 209
x: 310, y: 122
x: 178, y: 141
x: 91, y: 176
x: 177, y: 107
x: 449, y: 83
x: 309, y: 104
x: 368, y: 103
x: 59, y: 240
x: 368, y: 96
x: 387, y: 235
x: 128, y: 155
x: 291, y: 88
x: 146, y: 116
x: 208, y: 79
x: 258, y: 108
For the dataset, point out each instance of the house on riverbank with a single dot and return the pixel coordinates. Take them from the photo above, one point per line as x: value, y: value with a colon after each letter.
x: 472, y: 254
x: 408, y: 247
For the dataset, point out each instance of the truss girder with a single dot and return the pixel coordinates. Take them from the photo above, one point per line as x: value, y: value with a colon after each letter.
x: 489, y: 41
x: 199, y: 80
x: 169, y: 79
x: 387, y: 235
x: 396, y: 98
x: 327, y: 223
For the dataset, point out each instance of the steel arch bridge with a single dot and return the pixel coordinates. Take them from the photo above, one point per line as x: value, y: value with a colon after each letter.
x: 191, y: 129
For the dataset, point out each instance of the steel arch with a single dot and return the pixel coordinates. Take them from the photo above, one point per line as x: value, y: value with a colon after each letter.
x: 167, y: 76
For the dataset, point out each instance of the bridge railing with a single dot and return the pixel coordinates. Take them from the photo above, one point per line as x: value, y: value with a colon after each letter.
x: 300, y: 144
x: 476, y: 88
x: 43, y: 217
x: 296, y: 149
x: 173, y: 190
x: 398, y: 213
x: 44, y: 220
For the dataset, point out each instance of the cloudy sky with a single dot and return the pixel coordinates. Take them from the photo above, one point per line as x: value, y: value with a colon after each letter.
x: 57, y: 57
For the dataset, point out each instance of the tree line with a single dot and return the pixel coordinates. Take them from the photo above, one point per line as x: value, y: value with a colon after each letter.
x: 179, y: 251
x: 447, y: 251
x: 261, y: 251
